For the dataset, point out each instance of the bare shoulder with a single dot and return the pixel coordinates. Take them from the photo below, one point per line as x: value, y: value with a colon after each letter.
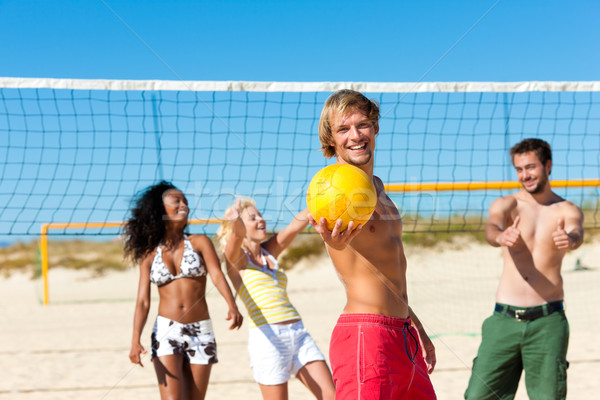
x: 566, y: 204
x: 503, y: 203
x: 568, y: 207
x: 379, y: 187
x: 377, y: 182
x: 147, y: 259
x: 200, y: 241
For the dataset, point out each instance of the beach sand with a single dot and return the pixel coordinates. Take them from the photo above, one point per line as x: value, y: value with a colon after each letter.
x: 78, y: 346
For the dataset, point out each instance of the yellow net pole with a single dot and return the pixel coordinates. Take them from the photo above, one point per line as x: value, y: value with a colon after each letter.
x: 85, y: 225
x: 44, y: 260
x: 205, y: 221
x: 468, y: 186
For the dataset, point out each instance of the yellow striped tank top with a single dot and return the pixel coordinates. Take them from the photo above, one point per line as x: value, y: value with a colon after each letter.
x: 264, y: 292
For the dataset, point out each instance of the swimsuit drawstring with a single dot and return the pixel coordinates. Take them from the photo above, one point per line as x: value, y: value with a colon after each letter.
x: 265, y: 266
x: 404, y: 329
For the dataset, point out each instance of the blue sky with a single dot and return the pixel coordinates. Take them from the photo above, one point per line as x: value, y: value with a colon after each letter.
x: 392, y: 41
x: 480, y: 40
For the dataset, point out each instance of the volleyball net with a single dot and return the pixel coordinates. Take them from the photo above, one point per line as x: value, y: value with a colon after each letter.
x: 73, y: 153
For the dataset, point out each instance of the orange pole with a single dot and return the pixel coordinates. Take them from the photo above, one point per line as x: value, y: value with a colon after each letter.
x: 205, y: 221
x: 44, y: 260
x: 468, y: 186
x: 63, y: 225
x: 67, y: 225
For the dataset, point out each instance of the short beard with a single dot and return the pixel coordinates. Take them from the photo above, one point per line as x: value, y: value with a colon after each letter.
x: 542, y: 180
x: 358, y: 164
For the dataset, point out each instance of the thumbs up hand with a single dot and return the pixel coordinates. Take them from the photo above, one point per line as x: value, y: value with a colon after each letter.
x: 511, y: 235
x: 562, y: 241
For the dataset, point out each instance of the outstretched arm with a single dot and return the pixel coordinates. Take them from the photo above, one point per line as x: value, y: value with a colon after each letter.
x: 142, y: 306
x: 280, y: 241
x: 204, y: 246
x: 569, y: 230
x: 428, y: 348
x: 235, y: 258
x: 233, y: 249
x: 497, y: 233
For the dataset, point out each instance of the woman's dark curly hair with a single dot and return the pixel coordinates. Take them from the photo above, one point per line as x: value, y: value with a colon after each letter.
x: 145, y: 229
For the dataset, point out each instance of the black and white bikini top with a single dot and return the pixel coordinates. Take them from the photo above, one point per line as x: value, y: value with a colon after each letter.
x: 191, y: 265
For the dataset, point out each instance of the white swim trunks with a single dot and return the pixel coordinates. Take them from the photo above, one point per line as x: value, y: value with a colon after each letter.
x: 195, y: 341
x: 277, y: 351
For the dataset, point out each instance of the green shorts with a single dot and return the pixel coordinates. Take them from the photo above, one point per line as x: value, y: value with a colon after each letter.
x: 509, y: 346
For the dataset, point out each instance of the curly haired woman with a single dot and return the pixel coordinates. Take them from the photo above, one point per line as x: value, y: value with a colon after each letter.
x: 183, y: 342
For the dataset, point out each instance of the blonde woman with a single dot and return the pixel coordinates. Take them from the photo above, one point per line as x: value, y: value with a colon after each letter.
x: 278, y: 343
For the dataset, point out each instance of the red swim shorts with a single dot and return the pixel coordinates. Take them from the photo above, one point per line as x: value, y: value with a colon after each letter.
x: 378, y: 357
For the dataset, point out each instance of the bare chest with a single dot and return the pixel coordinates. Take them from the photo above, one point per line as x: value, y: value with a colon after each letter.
x: 381, y: 237
x: 537, y: 223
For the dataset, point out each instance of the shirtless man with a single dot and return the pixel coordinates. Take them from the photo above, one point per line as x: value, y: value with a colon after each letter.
x: 375, y: 351
x: 528, y: 329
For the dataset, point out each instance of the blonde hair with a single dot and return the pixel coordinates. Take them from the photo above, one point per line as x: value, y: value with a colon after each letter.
x: 343, y: 101
x: 226, y: 228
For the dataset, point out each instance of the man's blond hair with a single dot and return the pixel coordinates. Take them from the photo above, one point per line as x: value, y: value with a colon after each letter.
x: 342, y: 102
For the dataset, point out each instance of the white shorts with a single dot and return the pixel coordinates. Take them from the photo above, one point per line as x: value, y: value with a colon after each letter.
x: 195, y: 341
x: 277, y: 351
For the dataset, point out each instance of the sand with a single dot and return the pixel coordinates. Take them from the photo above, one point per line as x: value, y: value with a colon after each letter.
x: 77, y: 347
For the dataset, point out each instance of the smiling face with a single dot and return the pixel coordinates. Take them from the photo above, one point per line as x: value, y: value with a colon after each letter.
x: 256, y: 227
x: 176, y: 206
x: 532, y: 174
x: 353, y: 137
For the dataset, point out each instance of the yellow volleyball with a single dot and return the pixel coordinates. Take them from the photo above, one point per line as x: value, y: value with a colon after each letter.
x: 341, y: 191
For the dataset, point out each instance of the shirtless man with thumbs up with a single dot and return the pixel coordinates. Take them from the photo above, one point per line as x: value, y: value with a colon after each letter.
x: 528, y: 329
